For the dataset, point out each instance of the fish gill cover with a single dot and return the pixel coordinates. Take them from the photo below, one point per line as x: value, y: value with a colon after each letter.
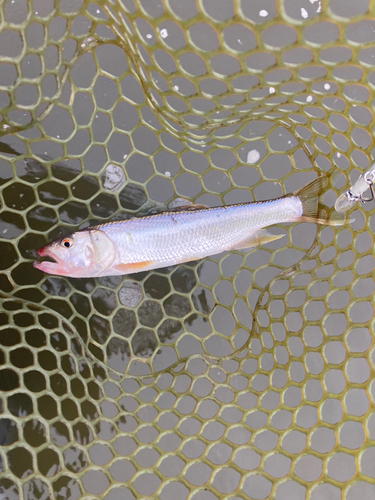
x: 245, y: 375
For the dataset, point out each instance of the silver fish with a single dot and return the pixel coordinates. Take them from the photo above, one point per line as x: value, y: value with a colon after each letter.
x: 176, y: 236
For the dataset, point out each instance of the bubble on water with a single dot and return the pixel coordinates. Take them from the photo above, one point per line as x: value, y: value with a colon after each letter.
x: 176, y: 87
x: 130, y: 294
x: 338, y: 155
x: 327, y: 86
x: 113, y: 177
x: 272, y: 90
x: 163, y: 33
x: 168, y: 174
x: 309, y: 98
x: 253, y: 156
x: 263, y: 13
x: 304, y: 13
x: 148, y: 35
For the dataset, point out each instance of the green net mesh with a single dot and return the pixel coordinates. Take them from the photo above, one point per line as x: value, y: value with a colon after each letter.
x: 245, y: 375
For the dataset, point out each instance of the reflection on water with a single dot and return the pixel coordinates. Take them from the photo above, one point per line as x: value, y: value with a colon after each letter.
x: 118, y: 354
x: 11, y: 225
x: 183, y: 279
x: 156, y: 286
x: 99, y: 328
x: 85, y: 187
x: 104, y: 301
x: 124, y: 322
x: 8, y: 432
x: 52, y: 193
x: 20, y: 462
x: 150, y: 313
x: 203, y: 300
x: 18, y: 196
x: 75, y: 459
x: 198, y: 324
x: 169, y: 330
x: 31, y: 170
x: 144, y: 343
x: 177, y: 306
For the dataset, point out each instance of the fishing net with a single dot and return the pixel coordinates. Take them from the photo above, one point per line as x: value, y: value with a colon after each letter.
x: 244, y: 375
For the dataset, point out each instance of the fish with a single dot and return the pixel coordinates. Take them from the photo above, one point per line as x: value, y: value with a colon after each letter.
x: 184, y: 234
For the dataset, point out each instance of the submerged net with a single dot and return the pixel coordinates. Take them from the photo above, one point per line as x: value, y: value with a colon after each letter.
x: 245, y: 375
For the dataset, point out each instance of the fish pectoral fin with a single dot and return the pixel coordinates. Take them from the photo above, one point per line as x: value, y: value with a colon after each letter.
x: 260, y: 237
x: 134, y: 267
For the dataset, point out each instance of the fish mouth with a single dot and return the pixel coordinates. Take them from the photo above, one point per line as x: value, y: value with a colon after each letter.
x: 53, y: 265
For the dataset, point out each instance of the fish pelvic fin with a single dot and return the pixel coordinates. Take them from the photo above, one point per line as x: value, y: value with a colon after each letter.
x: 311, y: 209
x: 260, y: 237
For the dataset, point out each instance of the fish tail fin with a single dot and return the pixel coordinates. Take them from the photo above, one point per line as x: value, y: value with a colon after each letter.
x: 309, y: 197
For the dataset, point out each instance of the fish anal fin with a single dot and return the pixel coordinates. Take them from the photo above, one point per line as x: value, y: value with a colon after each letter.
x: 134, y: 267
x: 259, y: 238
x: 323, y: 220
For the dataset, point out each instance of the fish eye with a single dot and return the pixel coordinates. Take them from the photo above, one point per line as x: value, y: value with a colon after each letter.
x: 67, y: 242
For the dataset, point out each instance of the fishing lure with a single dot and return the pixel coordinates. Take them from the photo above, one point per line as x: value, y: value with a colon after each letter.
x: 365, y: 182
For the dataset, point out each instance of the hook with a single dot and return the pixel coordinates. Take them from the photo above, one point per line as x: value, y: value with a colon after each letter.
x: 348, y: 199
x: 369, y: 179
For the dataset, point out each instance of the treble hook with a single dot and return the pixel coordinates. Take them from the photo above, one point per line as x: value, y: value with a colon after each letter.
x: 369, y: 177
x: 348, y: 199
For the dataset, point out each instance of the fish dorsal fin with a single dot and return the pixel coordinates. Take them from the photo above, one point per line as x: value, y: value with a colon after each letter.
x: 260, y: 237
x: 181, y: 204
x: 151, y: 208
x: 188, y: 208
x: 177, y: 205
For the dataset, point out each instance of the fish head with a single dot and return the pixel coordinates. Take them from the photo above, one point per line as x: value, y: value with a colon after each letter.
x: 82, y: 254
